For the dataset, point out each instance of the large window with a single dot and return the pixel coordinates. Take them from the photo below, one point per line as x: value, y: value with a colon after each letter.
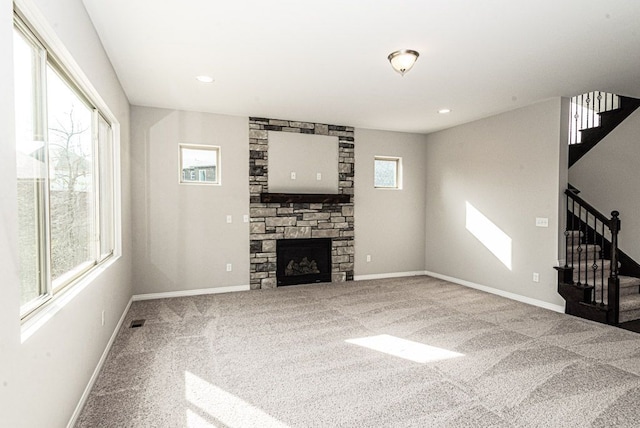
x: 65, y: 174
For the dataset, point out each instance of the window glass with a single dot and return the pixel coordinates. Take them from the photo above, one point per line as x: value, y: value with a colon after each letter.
x: 31, y: 168
x: 199, y: 164
x: 387, y: 172
x: 71, y: 186
x: 106, y: 164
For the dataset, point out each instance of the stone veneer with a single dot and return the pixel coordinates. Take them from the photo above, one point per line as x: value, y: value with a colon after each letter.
x: 273, y: 221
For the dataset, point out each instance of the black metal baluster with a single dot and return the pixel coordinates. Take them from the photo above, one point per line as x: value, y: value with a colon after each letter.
x: 579, y: 245
x: 576, y: 117
x: 602, y: 258
x: 595, y: 259
x: 566, y: 237
x: 573, y: 232
x: 586, y: 247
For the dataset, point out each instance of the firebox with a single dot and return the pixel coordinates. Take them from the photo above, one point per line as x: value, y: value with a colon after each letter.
x: 303, y: 261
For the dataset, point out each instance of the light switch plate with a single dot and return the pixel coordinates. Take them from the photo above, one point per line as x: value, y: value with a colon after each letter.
x: 542, y: 222
x: 319, y: 176
x: 293, y: 175
x: 229, y: 219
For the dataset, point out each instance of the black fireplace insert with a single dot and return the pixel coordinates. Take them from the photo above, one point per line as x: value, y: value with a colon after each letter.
x: 303, y: 261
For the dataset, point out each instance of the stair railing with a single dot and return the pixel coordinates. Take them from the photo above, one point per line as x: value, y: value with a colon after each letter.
x: 591, y: 237
x: 585, y: 109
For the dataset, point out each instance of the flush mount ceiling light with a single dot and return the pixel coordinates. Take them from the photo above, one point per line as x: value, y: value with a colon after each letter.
x: 204, y: 79
x: 403, y: 60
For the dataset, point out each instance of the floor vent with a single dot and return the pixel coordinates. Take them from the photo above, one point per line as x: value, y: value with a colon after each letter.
x: 136, y: 323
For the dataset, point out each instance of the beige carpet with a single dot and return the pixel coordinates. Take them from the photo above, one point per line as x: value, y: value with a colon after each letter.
x: 443, y: 356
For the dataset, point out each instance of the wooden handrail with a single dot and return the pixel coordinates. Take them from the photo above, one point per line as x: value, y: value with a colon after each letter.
x: 592, y: 210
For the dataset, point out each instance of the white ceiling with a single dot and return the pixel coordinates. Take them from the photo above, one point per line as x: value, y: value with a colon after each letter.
x: 326, y: 60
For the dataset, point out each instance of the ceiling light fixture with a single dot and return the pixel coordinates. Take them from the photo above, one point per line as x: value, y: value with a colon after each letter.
x: 205, y: 79
x: 403, y: 60
x: 444, y: 111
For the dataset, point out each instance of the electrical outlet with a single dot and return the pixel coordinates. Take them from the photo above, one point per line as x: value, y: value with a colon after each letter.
x: 229, y: 219
x: 319, y: 176
x: 293, y: 175
x: 229, y: 267
x: 536, y: 277
x: 245, y: 218
x: 103, y: 317
x: 368, y: 258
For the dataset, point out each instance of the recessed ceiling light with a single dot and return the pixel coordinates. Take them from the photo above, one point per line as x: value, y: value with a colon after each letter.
x: 444, y: 111
x: 205, y: 79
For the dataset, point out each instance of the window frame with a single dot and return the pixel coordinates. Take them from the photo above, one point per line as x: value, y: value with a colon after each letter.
x: 52, y: 53
x: 398, y: 178
x: 189, y: 146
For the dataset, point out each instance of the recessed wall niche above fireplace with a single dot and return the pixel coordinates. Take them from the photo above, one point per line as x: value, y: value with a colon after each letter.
x: 296, y: 216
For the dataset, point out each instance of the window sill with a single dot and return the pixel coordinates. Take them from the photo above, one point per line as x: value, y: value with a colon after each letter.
x: 48, y: 310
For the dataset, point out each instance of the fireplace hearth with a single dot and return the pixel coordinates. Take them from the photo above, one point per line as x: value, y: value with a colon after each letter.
x: 303, y: 261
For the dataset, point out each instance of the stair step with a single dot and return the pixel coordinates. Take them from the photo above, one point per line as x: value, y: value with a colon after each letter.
x: 603, y: 264
x: 574, y: 236
x: 628, y: 287
x: 629, y: 308
x: 590, y: 252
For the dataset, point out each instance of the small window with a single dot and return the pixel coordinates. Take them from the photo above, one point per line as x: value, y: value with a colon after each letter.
x: 199, y: 164
x: 387, y: 172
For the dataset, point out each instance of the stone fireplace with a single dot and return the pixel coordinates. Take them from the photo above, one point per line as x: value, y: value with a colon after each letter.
x: 280, y: 217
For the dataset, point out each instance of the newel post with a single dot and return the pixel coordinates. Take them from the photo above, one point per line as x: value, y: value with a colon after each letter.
x: 614, y: 281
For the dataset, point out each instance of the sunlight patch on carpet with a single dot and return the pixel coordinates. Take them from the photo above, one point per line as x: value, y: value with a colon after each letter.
x: 223, y: 406
x: 196, y: 421
x: 490, y: 235
x: 403, y: 348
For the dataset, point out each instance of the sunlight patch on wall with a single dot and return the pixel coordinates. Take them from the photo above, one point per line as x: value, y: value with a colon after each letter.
x: 223, y: 407
x: 407, y: 349
x: 490, y: 235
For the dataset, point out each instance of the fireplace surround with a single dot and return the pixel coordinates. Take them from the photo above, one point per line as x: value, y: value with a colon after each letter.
x: 298, y: 216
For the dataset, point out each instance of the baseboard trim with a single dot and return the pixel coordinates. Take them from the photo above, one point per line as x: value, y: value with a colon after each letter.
x: 508, y: 295
x: 184, y: 293
x: 388, y: 275
x: 96, y: 372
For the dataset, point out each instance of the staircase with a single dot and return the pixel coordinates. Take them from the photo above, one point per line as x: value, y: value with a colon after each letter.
x: 590, y: 282
x: 593, y: 116
x: 598, y: 281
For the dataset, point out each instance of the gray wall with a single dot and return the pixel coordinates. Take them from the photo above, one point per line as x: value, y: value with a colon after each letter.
x: 306, y: 155
x: 506, y: 166
x: 181, y: 238
x: 607, y: 178
x: 389, y: 223
x: 42, y: 379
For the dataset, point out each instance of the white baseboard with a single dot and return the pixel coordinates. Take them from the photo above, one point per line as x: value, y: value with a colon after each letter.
x: 96, y: 372
x: 388, y: 275
x: 508, y: 295
x: 183, y: 293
